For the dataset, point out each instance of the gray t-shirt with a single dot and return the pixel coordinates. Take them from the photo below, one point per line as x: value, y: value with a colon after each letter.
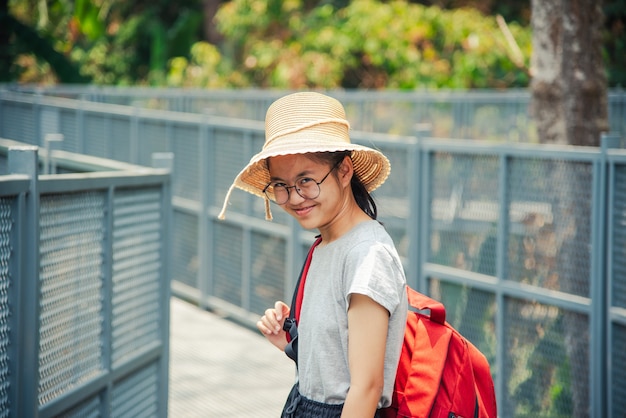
x: 362, y: 261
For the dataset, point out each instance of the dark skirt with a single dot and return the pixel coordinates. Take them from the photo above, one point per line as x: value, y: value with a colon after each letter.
x: 298, y: 406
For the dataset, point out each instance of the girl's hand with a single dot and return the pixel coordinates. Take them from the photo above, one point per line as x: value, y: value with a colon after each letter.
x: 271, y: 325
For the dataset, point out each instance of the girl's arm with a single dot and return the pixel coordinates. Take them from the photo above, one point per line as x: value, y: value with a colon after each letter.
x: 367, y: 336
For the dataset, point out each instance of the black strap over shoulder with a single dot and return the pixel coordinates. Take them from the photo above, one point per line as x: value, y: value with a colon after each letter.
x: 291, y: 324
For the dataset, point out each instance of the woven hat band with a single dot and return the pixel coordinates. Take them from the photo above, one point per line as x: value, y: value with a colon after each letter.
x: 339, y: 132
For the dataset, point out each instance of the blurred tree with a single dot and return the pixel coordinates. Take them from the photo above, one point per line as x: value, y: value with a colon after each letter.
x: 112, y: 42
x: 569, y: 82
x: 613, y: 39
x: 141, y: 37
x: 18, y: 38
x: 209, y: 9
x: 569, y: 105
x: 370, y: 44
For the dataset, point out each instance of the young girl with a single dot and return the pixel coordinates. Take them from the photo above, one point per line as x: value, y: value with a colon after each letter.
x: 354, y: 309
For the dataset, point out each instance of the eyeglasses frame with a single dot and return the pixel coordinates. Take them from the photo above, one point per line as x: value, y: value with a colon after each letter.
x: 295, y: 187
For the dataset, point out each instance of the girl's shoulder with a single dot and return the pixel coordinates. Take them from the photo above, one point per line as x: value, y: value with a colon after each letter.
x: 366, y: 239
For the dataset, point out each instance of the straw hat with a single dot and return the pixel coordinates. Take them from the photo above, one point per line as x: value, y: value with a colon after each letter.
x: 301, y: 123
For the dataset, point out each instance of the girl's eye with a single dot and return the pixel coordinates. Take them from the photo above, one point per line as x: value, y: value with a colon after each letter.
x: 275, y: 185
x: 304, y: 180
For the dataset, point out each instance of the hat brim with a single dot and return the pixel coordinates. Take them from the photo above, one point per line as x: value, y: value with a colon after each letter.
x: 370, y: 165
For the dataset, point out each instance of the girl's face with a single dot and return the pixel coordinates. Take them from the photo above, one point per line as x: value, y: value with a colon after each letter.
x: 311, y: 213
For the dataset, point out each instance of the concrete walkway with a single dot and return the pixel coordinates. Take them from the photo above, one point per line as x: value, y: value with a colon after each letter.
x: 221, y: 369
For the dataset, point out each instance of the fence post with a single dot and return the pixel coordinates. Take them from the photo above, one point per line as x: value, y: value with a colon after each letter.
x: 502, y: 238
x: 133, y: 143
x: 165, y: 160
x: 81, y: 147
x: 204, y: 276
x: 2, y: 111
x: 415, y: 226
x: 599, y: 384
x: 24, y: 160
x: 49, y: 139
x: 419, y: 171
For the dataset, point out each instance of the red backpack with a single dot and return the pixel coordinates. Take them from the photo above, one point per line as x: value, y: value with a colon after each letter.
x: 440, y: 373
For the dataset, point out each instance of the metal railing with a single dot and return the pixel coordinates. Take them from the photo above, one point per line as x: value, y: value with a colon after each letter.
x: 496, y: 115
x: 84, y: 279
x: 525, y: 244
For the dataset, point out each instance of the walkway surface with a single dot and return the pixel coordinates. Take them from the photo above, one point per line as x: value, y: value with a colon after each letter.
x: 221, y: 369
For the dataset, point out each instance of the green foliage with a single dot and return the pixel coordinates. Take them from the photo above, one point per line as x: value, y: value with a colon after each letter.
x: 111, y: 42
x: 368, y: 44
x: 88, y: 16
x: 204, y: 68
x: 284, y: 44
x: 138, y: 50
x: 615, y: 42
x: 26, y: 38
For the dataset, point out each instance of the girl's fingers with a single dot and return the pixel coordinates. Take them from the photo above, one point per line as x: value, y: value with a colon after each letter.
x: 282, y: 310
x: 268, y: 323
x: 263, y: 328
x: 272, y: 321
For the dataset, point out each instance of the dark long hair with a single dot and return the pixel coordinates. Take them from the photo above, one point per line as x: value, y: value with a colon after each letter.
x: 361, y: 195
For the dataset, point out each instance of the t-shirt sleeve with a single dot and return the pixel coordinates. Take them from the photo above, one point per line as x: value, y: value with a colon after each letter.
x: 374, y: 270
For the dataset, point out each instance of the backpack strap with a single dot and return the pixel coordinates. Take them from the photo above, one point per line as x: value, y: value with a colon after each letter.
x: 420, y: 301
x: 291, y: 322
x: 428, y: 344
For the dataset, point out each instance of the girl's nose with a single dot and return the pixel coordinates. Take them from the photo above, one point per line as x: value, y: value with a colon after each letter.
x: 295, y: 195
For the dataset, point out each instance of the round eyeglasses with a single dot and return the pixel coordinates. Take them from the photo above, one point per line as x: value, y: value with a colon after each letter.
x: 306, y: 187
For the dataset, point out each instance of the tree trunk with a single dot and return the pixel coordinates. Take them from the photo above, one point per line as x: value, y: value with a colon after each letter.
x: 211, y: 33
x: 569, y: 86
x: 569, y: 106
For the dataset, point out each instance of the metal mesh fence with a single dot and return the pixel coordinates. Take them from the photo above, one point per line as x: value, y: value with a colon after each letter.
x: 392, y: 200
x: 137, y: 395
x: 617, y: 295
x: 136, y: 315
x: 99, y: 143
x: 119, y: 138
x: 90, y: 408
x: 527, y: 224
x: 617, y: 367
x: 86, y: 307
x: 18, y: 122
x: 546, y: 371
x: 267, y: 271
x: 550, y: 216
x: 72, y: 236
x: 618, y: 291
x: 229, y: 154
x: 153, y: 139
x: 229, y: 264
x: 68, y: 127
x: 185, y: 145
x: 185, y: 249
x: 491, y: 115
x: 464, y: 211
